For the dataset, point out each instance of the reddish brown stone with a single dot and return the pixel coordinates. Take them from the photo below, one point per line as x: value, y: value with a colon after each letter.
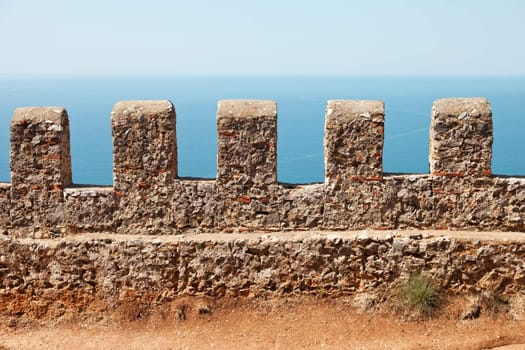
x: 243, y: 199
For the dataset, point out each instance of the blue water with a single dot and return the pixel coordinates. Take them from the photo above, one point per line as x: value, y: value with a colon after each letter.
x: 301, y: 106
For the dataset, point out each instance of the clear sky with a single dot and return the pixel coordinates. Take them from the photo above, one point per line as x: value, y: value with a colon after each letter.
x: 243, y: 37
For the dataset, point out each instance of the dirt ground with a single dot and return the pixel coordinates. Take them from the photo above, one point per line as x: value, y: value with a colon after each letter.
x: 290, y: 323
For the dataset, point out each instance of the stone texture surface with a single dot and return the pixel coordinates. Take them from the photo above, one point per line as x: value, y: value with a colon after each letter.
x: 301, y: 207
x: 195, y: 205
x: 407, y: 202
x: 149, y: 198
x: 511, y: 192
x: 40, y: 166
x: 461, y: 137
x: 354, y: 140
x: 353, y: 205
x: 5, y: 204
x: 247, y: 145
x: 43, y: 277
x: 353, y: 147
x: 479, y: 203
x: 144, y: 163
x: 89, y: 209
x: 247, y: 163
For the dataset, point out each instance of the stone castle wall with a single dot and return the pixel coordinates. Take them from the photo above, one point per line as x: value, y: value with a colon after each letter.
x: 101, y: 272
x: 148, y: 197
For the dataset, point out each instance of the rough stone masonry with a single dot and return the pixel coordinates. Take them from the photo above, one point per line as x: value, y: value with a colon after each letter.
x: 101, y: 272
x: 166, y: 236
x: 148, y: 197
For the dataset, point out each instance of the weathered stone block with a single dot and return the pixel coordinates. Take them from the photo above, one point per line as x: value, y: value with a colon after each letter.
x: 145, y: 164
x: 509, y: 193
x: 246, y: 163
x: 407, y: 202
x: 301, y: 206
x: 195, y: 204
x: 89, y: 209
x: 247, y: 144
x: 40, y: 166
x: 468, y: 203
x: 354, y: 140
x: 144, y: 141
x: 353, y: 205
x: 5, y: 205
x: 461, y: 137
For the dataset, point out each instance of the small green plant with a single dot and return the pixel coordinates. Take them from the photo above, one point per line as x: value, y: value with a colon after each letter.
x: 419, y: 294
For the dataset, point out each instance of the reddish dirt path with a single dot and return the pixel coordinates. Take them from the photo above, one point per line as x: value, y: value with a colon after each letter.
x: 293, y: 323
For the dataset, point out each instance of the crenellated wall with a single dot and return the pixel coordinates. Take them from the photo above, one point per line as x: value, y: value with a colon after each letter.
x: 148, y: 197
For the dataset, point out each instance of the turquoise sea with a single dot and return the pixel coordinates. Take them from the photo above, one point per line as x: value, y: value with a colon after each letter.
x: 301, y: 106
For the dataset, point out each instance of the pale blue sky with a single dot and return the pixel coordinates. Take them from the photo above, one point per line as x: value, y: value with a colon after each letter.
x: 332, y: 37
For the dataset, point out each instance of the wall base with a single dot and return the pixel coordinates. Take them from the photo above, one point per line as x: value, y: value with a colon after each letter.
x: 52, y: 276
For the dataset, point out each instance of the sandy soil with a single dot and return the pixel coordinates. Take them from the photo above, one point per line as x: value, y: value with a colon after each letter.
x: 291, y: 323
